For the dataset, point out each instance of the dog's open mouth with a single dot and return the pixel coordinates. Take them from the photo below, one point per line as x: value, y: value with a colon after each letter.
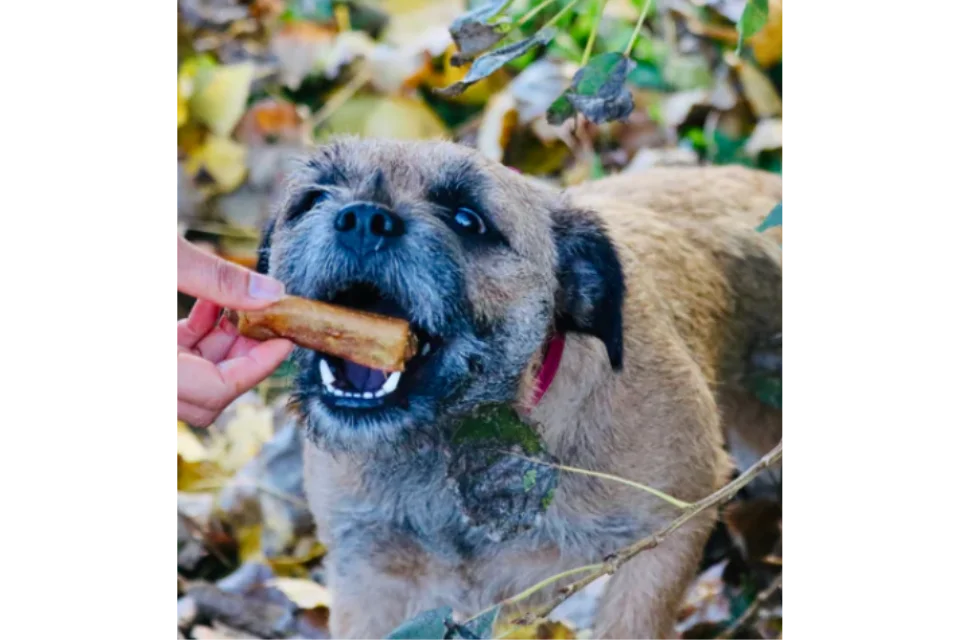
x: 348, y: 385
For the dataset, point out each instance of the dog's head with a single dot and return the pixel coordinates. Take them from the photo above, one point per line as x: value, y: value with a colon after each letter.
x: 483, y: 263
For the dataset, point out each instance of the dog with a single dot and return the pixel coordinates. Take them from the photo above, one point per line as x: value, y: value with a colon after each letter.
x: 657, y: 288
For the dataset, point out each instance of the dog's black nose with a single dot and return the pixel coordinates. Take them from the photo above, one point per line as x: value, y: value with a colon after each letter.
x: 365, y: 227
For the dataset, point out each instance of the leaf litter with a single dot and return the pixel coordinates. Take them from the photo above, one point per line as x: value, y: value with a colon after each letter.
x: 260, y: 81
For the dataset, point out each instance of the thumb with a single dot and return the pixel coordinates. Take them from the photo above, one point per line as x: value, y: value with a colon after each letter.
x: 209, y: 277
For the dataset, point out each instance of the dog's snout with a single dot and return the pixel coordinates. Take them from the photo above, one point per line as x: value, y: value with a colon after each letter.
x: 365, y: 227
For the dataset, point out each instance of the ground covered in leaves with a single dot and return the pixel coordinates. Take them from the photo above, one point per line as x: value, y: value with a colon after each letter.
x: 260, y: 81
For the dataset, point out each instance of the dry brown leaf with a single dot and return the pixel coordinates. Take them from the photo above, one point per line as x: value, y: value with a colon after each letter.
x: 305, y: 593
x: 757, y: 88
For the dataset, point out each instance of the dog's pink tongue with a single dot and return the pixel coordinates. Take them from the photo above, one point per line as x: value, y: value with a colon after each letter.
x: 363, y: 378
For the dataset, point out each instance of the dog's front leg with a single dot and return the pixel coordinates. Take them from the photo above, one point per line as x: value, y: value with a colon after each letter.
x: 643, y: 596
x: 373, y: 593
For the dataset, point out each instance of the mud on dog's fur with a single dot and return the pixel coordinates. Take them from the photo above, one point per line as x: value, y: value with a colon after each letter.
x: 662, y: 288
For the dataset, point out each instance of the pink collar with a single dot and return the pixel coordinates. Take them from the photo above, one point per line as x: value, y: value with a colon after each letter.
x: 551, y: 362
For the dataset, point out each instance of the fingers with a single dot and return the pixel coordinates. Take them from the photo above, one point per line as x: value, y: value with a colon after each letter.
x: 202, y: 318
x: 195, y: 416
x: 250, y: 369
x: 204, y: 389
x: 210, y: 277
x: 216, y: 345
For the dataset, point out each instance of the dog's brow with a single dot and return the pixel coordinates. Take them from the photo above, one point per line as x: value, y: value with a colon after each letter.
x: 456, y: 185
x: 326, y: 168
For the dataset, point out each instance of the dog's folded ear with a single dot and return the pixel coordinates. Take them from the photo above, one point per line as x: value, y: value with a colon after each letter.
x: 592, y: 287
x: 263, y: 251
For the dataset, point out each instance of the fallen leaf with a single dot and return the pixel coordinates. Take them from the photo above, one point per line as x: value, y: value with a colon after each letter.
x: 473, y: 32
x: 760, y: 93
x: 398, y: 117
x: 491, y: 62
x: 270, y: 120
x: 242, y: 438
x: 766, y: 136
x: 182, y: 111
x: 306, y: 594
x: 671, y: 157
x: 219, y: 162
x: 598, y: 90
x: 189, y: 447
x: 298, y: 48
x: 496, y: 126
x: 221, y: 100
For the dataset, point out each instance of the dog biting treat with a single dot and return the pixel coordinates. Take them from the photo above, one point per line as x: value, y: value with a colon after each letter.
x: 615, y: 327
x: 368, y: 339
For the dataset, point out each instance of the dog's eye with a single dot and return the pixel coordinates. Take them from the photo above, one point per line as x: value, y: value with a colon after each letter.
x: 307, y: 202
x: 469, y: 222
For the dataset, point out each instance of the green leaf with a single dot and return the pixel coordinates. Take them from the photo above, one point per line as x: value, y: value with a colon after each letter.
x: 489, y: 63
x: 560, y: 111
x: 482, y: 625
x: 429, y: 625
x: 752, y: 19
x: 473, y: 33
x: 773, y: 219
x: 646, y: 75
x: 598, y: 90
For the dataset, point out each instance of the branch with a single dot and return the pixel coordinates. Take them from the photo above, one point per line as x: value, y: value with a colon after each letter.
x: 616, y: 560
x: 762, y: 597
x: 636, y: 29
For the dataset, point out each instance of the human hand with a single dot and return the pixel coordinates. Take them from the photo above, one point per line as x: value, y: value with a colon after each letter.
x: 215, y: 364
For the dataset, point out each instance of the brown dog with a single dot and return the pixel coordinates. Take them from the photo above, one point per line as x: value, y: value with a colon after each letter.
x: 661, y: 288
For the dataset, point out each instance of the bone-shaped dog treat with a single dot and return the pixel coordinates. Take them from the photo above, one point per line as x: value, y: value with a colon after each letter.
x: 368, y: 339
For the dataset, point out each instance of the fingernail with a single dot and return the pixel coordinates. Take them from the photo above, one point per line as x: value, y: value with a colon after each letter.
x: 265, y: 288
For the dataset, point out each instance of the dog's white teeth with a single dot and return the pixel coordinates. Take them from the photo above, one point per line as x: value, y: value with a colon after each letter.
x: 367, y: 394
x: 391, y: 384
x: 336, y: 391
x: 326, y: 375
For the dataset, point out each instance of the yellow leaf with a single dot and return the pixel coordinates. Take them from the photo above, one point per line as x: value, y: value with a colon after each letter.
x: 221, y: 101
x: 306, y: 594
x: 293, y: 565
x: 182, y: 113
x: 395, y: 117
x: 248, y: 541
x: 189, y: 446
x: 242, y: 437
x: 499, y: 119
x: 223, y: 159
x: 767, y: 44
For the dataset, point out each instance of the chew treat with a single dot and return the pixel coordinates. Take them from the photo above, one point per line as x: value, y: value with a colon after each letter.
x: 368, y: 339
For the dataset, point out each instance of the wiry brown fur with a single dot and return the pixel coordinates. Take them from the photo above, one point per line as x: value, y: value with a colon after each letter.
x: 702, y: 286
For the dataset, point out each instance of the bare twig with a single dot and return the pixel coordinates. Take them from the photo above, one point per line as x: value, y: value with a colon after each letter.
x: 593, y: 32
x: 341, y: 97
x: 636, y: 29
x: 606, y: 476
x: 613, y: 562
x: 762, y: 597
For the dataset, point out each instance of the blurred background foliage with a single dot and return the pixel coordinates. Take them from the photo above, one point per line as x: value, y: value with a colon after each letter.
x: 261, y: 81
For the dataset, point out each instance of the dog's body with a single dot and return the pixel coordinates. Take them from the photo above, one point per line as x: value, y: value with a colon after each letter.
x: 662, y: 287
